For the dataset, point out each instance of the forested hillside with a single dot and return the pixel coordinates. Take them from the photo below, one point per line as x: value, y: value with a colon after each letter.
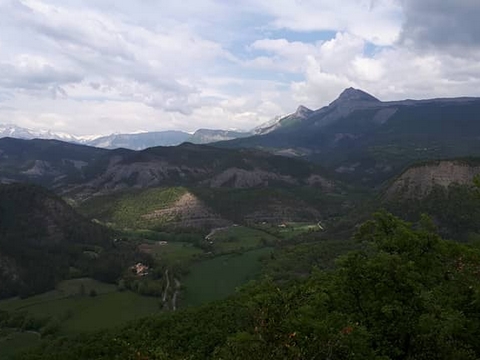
x: 81, y: 171
x: 446, y: 190
x: 164, y: 230
x: 407, y: 295
x: 43, y: 240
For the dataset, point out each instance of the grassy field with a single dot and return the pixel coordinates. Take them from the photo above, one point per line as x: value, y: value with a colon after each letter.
x: 289, y: 230
x: 125, y: 210
x: 172, y: 252
x: 76, y: 313
x: 68, y: 288
x: 295, y: 229
x: 240, y: 238
x: 16, y: 342
x: 218, y: 277
x: 108, y: 310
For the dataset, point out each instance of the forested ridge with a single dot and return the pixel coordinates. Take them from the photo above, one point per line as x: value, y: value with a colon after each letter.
x: 406, y: 294
x: 43, y: 240
x: 343, y: 285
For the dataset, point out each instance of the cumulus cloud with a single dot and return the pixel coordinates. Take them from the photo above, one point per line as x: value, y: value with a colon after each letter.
x: 375, y: 21
x: 282, y: 55
x: 36, y: 74
x: 137, y: 62
x: 101, y: 66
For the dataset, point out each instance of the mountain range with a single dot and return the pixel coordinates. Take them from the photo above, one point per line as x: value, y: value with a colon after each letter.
x: 357, y: 136
x: 188, y: 186
x: 145, y: 139
x: 85, y: 171
x: 133, y: 141
x: 366, y: 140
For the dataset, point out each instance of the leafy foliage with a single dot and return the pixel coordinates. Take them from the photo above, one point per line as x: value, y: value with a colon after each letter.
x: 126, y: 210
x: 300, y: 260
x: 43, y: 241
x: 455, y: 209
x: 408, y: 295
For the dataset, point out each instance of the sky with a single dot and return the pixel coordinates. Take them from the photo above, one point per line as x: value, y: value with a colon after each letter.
x: 111, y: 66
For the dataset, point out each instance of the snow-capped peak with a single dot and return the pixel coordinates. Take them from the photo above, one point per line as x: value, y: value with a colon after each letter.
x: 10, y: 130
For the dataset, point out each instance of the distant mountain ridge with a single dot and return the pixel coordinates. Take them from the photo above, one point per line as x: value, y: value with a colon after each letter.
x: 357, y: 136
x: 366, y: 140
x: 146, y: 139
x: 10, y: 130
x: 132, y: 141
x: 215, y: 186
x: 84, y: 171
x: 207, y: 136
x: 139, y: 141
x: 302, y: 112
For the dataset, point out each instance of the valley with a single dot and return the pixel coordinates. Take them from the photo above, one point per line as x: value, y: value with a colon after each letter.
x: 168, y: 230
x: 118, y: 247
x: 240, y: 180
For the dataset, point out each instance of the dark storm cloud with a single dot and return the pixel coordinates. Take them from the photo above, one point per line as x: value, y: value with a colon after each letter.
x: 442, y: 23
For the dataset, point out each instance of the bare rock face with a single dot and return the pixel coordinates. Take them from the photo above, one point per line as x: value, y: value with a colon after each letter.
x: 80, y: 172
x: 240, y: 179
x: 302, y: 112
x: 38, y: 169
x: 8, y: 269
x: 188, y: 212
x: 206, y: 136
x: 279, y: 213
x: 10, y: 275
x: 418, y: 181
x: 320, y: 181
x: 383, y: 115
x: 141, y: 175
x: 120, y: 176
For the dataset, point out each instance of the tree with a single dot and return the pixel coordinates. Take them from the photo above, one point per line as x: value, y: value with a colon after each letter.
x: 81, y: 289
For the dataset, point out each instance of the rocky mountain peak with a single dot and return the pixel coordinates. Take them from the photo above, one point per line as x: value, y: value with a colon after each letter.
x: 303, y: 112
x: 352, y: 94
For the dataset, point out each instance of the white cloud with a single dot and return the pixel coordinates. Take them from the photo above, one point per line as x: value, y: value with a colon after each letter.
x: 392, y: 74
x: 319, y: 87
x: 376, y: 21
x: 101, y: 66
x: 284, y: 55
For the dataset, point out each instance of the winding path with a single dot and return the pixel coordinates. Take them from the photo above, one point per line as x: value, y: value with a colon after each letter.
x: 175, y: 294
x: 164, y: 297
x: 214, y: 231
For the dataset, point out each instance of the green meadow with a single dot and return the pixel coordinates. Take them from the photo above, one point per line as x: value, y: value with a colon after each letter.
x: 218, y: 277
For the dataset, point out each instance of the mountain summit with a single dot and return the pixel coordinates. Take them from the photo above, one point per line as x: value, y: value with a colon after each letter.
x: 352, y: 94
x: 363, y: 139
x: 279, y: 122
x: 302, y: 112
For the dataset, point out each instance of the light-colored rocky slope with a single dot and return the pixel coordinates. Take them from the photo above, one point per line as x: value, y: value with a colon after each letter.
x: 419, y: 180
x: 187, y: 212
